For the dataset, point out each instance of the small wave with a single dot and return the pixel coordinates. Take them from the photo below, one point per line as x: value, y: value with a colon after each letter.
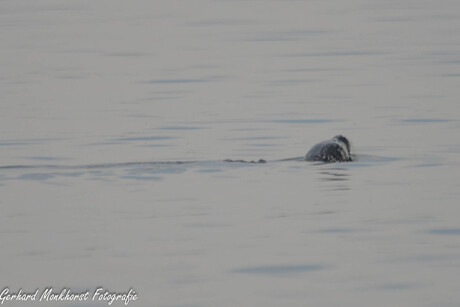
x: 94, y: 166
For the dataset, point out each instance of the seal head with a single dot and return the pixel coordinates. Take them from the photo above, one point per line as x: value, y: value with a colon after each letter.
x: 337, y: 149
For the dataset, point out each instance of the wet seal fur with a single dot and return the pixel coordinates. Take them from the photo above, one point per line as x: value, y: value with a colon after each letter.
x: 337, y: 149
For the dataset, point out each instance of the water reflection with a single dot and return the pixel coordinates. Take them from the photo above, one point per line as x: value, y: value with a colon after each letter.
x: 336, y: 178
x: 145, y: 171
x: 335, y: 174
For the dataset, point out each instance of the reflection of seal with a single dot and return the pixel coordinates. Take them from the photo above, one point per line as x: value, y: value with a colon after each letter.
x: 335, y: 150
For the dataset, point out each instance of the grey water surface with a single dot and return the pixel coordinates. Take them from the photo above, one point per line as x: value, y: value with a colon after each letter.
x: 116, y: 118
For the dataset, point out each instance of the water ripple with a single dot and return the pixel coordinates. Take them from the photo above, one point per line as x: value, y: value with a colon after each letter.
x: 280, y: 269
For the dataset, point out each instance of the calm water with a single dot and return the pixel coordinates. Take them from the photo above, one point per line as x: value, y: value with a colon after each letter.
x: 99, y: 99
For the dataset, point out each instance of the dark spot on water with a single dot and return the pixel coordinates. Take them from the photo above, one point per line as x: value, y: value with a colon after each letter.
x: 446, y: 231
x: 279, y: 269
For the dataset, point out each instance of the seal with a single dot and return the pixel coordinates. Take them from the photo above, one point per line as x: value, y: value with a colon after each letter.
x: 337, y: 149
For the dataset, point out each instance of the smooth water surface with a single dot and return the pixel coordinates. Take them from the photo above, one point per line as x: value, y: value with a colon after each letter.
x: 116, y: 118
